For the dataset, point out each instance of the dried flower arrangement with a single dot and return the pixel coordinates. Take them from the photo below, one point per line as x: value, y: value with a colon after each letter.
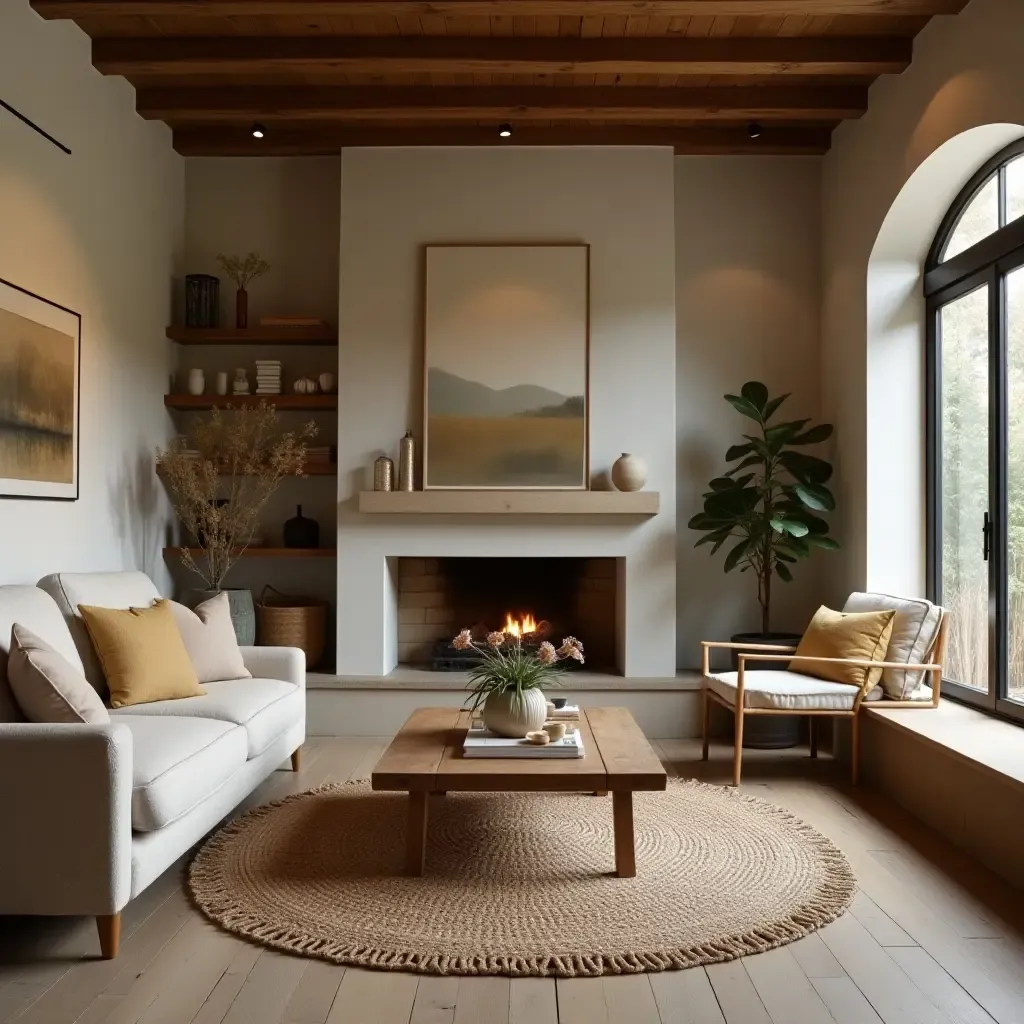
x: 242, y: 270
x: 220, y: 477
x: 507, y: 666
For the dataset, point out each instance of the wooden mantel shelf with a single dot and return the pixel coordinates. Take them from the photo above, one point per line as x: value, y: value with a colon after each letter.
x: 504, y: 503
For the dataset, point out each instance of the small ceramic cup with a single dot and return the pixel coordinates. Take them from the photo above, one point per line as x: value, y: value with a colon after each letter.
x: 555, y: 731
x: 559, y: 702
x: 538, y: 737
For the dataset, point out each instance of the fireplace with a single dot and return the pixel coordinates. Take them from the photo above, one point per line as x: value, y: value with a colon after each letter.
x: 545, y: 598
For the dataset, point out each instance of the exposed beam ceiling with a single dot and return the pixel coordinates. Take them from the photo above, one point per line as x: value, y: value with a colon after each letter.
x: 500, y: 103
x: 232, y: 55
x: 328, y: 139
x: 487, y: 8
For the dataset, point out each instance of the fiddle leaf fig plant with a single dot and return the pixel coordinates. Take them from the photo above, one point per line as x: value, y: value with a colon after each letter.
x: 765, y: 505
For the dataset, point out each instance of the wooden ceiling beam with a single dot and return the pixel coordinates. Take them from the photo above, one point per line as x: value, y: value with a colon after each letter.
x: 229, y: 56
x: 322, y: 141
x: 504, y: 103
x: 484, y: 8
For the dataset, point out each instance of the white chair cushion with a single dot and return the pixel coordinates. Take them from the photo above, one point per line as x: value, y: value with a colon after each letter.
x: 265, y: 707
x: 784, y: 691
x: 913, y: 632
x: 105, y: 589
x: 177, y: 763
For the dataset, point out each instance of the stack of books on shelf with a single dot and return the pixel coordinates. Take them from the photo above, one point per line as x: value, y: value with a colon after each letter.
x: 481, y: 742
x: 318, y: 453
x: 268, y: 376
x: 569, y: 713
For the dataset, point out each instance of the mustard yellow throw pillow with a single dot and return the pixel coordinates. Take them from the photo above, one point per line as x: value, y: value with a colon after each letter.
x: 142, y: 653
x: 863, y: 635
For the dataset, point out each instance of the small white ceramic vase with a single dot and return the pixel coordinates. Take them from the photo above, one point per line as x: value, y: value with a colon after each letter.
x: 506, y: 715
x: 629, y: 472
x: 326, y: 381
x: 196, y: 382
x: 222, y: 382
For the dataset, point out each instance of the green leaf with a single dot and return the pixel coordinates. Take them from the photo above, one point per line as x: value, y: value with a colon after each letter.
x: 795, y: 528
x: 806, y: 468
x: 826, y: 543
x: 821, y: 432
x: 732, y: 559
x: 815, y: 496
x: 714, y: 537
x: 756, y: 394
x: 737, y: 451
x: 743, y: 406
x: 750, y: 460
x: 703, y: 521
x: 783, y: 571
x: 721, y: 483
x: 783, y: 557
x: 769, y: 410
x: 776, y: 525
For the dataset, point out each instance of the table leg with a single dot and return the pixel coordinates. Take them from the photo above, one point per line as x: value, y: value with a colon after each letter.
x: 416, y: 833
x: 622, y: 818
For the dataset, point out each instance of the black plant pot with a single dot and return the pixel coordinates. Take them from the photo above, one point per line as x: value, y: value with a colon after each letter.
x: 767, y: 732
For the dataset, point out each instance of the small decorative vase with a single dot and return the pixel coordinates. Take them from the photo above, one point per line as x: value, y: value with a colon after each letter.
x: 508, y: 715
x: 196, y: 382
x: 240, y: 385
x: 222, y: 382
x: 406, y: 462
x: 629, y: 472
x: 243, y: 611
x: 301, y: 531
x: 242, y: 308
x: 326, y: 382
x: 383, y: 474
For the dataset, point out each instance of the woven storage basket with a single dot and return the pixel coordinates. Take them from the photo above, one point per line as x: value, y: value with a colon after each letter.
x: 285, y: 621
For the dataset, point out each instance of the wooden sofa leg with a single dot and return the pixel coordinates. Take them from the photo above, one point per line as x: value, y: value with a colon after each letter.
x: 296, y: 759
x: 855, y: 749
x: 109, y: 928
x: 706, y: 712
x: 737, y: 755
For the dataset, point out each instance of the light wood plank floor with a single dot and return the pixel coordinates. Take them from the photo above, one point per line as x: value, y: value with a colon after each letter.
x: 933, y: 938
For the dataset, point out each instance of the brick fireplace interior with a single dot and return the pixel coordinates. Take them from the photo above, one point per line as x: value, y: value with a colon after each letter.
x: 567, y: 596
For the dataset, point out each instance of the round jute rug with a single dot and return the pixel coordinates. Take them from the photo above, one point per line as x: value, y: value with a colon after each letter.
x: 521, y: 884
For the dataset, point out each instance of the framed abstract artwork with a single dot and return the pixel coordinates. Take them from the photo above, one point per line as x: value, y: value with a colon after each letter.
x: 506, y: 367
x: 40, y: 349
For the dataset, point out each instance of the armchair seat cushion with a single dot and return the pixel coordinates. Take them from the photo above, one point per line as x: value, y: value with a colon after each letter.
x: 177, y: 763
x: 784, y: 691
x: 266, y: 708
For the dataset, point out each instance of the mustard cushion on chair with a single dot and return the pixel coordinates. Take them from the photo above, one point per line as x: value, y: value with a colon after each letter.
x: 142, y: 653
x: 831, y: 634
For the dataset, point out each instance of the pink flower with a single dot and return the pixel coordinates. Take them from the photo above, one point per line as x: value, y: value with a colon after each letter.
x: 463, y: 641
x: 547, y: 655
x: 496, y: 639
x: 570, y: 644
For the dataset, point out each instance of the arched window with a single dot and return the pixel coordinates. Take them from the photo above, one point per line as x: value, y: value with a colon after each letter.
x: 974, y: 289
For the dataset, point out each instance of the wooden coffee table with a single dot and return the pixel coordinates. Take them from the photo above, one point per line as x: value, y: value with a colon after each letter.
x: 426, y: 757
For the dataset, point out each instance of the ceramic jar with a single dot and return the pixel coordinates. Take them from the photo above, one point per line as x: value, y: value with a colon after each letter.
x: 304, y: 386
x: 222, y: 382
x: 629, y: 472
x: 326, y: 382
x: 196, y: 382
x: 507, y: 715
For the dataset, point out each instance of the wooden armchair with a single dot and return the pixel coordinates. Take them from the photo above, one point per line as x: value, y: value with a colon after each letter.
x: 781, y: 692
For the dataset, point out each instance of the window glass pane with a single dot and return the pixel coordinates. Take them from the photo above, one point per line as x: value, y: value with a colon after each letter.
x: 979, y: 220
x: 1015, y: 479
x: 963, y: 346
x: 1015, y: 189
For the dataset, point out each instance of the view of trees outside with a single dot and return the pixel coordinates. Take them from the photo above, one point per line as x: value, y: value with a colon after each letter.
x: 963, y: 333
x: 979, y: 220
x: 1015, y: 478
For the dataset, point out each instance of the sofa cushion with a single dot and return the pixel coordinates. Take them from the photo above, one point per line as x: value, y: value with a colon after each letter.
x: 860, y: 636
x: 210, y: 640
x: 38, y: 611
x: 105, y: 589
x: 913, y: 633
x: 177, y: 763
x: 47, y: 687
x: 266, y: 707
x: 784, y: 691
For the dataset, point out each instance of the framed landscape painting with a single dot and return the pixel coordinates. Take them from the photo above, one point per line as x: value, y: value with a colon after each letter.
x: 506, y: 353
x: 40, y: 345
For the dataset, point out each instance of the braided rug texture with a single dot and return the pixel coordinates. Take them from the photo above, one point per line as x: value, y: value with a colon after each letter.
x: 520, y: 884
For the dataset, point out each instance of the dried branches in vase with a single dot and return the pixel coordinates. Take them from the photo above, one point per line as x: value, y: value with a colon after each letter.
x: 220, y: 477
x: 242, y: 270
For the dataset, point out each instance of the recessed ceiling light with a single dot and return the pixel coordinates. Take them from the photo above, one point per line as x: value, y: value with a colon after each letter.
x: 754, y: 130
x: 257, y: 131
x: 505, y: 130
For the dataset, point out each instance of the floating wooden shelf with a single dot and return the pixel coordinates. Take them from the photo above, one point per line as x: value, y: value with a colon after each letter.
x: 257, y: 335
x: 524, y: 503
x: 194, y: 402
x: 311, y: 469
x: 266, y: 552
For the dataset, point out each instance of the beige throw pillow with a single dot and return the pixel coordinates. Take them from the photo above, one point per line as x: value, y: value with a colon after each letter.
x: 47, y: 687
x: 142, y: 654
x: 210, y: 640
x: 831, y: 634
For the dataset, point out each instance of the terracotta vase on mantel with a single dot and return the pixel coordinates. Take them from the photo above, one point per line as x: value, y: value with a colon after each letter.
x: 242, y: 309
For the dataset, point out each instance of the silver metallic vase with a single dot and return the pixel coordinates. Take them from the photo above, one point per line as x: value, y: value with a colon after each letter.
x: 406, y: 462
x: 383, y: 474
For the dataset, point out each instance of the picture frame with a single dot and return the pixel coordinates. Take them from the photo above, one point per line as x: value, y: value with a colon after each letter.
x: 506, y: 367
x: 40, y: 396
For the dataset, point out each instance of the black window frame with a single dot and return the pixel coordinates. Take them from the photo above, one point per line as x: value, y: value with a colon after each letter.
x: 985, y: 264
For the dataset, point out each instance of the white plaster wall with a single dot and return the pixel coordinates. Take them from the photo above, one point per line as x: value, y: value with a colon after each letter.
x: 620, y: 202
x: 99, y: 232
x: 967, y: 73
x: 747, y: 308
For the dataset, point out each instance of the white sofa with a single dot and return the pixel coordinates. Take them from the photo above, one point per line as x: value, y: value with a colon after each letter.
x: 92, y: 814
